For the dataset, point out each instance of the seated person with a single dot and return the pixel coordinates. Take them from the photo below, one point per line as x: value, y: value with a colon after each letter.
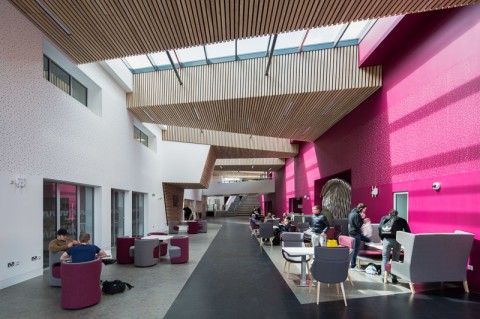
x: 285, y: 224
x: 269, y: 216
x: 62, y: 242
x: 83, y: 252
x: 254, y: 221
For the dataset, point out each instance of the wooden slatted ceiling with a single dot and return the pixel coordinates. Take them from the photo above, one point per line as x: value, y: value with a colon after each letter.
x: 232, y: 145
x: 304, y: 95
x: 109, y: 29
x: 208, y: 168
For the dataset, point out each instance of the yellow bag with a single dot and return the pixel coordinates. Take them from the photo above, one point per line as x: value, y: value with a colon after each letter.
x: 332, y: 243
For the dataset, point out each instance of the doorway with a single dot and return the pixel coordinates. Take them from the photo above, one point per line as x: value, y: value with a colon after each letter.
x: 400, y: 203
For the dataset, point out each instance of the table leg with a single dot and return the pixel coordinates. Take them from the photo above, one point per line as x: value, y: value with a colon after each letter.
x: 303, y: 280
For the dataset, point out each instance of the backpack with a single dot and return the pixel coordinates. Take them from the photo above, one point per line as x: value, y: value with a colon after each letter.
x: 373, y: 269
x: 387, y: 227
x: 116, y: 286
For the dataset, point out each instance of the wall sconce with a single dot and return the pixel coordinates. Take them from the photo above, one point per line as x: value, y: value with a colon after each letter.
x: 306, y: 197
x: 20, y: 182
x: 436, y: 186
x: 374, y: 191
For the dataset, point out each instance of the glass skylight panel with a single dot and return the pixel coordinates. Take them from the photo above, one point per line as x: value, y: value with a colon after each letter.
x: 253, y: 45
x: 289, y: 40
x: 139, y: 62
x: 323, y: 34
x: 160, y: 58
x: 354, y: 30
x: 191, y: 54
x: 220, y: 50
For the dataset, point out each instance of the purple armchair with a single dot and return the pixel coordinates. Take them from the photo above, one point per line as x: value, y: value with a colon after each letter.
x: 193, y: 227
x: 163, y: 248
x: 178, y: 249
x: 81, y: 284
x: 123, y: 250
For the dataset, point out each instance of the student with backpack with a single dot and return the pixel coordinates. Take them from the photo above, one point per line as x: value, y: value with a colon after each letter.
x: 387, y: 230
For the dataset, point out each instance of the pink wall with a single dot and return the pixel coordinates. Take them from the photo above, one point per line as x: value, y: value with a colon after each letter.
x: 421, y: 127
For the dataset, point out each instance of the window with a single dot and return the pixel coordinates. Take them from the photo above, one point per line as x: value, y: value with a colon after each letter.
x: 66, y: 206
x: 117, y: 215
x: 137, y: 214
x: 140, y: 136
x: 55, y: 74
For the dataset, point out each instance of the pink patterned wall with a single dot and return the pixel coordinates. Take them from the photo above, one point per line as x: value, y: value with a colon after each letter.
x: 421, y: 127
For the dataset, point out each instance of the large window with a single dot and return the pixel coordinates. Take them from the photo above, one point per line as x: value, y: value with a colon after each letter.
x: 138, y: 209
x: 140, y: 136
x: 66, y: 206
x: 55, y: 74
x: 118, y: 215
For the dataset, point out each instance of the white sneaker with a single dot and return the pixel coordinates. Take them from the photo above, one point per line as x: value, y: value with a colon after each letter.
x: 357, y: 269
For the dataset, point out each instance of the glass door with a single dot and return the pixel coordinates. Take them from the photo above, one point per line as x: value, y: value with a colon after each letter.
x: 137, y: 214
x: 118, y: 215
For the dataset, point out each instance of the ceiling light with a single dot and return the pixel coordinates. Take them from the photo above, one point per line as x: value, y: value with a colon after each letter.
x: 60, y: 24
x: 247, y: 123
x: 306, y: 130
x: 197, y: 114
x: 287, y: 109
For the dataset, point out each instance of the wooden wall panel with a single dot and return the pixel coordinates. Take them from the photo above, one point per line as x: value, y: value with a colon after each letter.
x: 174, y: 212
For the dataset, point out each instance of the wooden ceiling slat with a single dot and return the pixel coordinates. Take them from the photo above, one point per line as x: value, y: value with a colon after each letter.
x: 145, y: 26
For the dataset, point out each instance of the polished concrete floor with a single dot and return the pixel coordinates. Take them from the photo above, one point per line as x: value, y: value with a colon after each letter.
x: 229, y: 276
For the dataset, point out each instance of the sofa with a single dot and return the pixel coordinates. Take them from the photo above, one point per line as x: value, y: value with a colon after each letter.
x: 436, y: 257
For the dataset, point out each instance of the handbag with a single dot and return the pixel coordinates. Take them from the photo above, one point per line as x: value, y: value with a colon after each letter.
x: 332, y: 243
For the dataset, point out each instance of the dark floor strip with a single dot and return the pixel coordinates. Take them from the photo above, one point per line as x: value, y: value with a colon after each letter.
x: 236, y: 279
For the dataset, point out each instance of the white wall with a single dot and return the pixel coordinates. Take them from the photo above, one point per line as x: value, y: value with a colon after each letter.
x: 46, y: 134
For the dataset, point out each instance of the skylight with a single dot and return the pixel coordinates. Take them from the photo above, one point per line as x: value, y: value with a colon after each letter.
x: 289, y: 42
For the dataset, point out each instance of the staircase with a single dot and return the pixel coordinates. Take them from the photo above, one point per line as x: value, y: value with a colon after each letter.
x: 244, y: 206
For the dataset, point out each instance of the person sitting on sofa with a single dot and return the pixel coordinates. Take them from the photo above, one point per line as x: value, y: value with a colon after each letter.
x: 83, y: 252
x: 62, y: 242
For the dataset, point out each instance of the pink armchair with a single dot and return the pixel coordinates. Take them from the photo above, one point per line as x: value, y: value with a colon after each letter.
x: 123, y: 250
x: 178, y: 250
x: 81, y: 284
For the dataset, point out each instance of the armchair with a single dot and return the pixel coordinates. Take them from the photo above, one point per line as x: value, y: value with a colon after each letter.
x: 178, y: 250
x: 266, y: 231
x: 173, y: 227
x: 81, y: 284
x: 123, y: 250
x: 54, y: 271
x: 330, y: 265
x: 434, y: 257
x: 144, y: 252
x: 193, y: 227
x: 204, y: 224
x: 290, y: 239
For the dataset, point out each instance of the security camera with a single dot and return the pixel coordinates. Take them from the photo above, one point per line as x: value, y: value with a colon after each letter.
x: 436, y: 186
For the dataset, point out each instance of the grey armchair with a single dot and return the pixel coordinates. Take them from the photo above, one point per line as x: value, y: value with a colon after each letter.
x: 290, y: 239
x: 173, y: 227
x: 54, y: 278
x: 330, y: 265
x: 266, y: 231
x: 143, y: 252
x: 434, y: 257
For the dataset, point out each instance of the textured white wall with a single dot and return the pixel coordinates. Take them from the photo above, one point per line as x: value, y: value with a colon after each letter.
x: 46, y: 134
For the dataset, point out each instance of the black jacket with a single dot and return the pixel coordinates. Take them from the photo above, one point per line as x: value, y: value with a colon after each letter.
x: 319, y: 224
x: 355, y: 222
x: 399, y: 224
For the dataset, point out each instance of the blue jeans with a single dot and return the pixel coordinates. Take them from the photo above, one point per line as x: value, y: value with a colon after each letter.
x: 388, y: 245
x: 358, y: 239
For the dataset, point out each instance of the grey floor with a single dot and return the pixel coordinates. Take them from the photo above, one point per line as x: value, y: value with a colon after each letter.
x: 235, y: 278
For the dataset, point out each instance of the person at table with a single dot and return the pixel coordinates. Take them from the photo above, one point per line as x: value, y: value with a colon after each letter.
x: 269, y: 216
x: 83, y: 252
x: 355, y: 223
x: 285, y: 224
x: 389, y: 240
x: 319, y: 226
x: 62, y: 242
